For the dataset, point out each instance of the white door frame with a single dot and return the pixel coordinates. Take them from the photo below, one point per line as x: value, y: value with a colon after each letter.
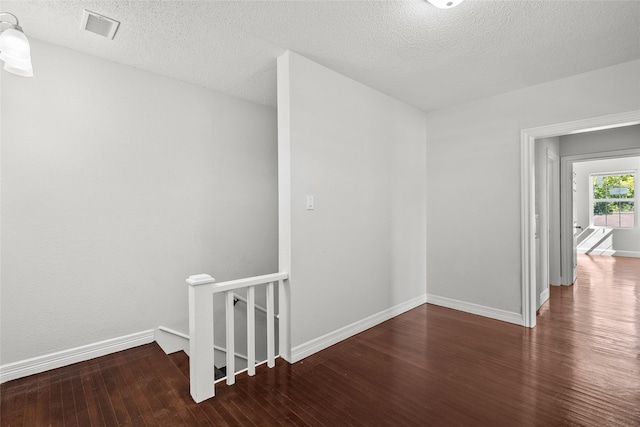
x: 551, y: 182
x: 527, y: 211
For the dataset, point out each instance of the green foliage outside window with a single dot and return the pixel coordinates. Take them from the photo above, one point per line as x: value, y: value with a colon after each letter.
x: 613, y: 187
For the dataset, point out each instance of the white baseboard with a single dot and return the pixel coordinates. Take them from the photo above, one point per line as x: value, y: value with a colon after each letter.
x: 35, y: 365
x: 310, y: 347
x: 609, y: 252
x: 480, y: 310
x: 629, y: 254
x: 596, y: 251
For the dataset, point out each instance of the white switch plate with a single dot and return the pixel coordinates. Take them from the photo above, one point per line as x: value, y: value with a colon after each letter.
x: 310, y: 202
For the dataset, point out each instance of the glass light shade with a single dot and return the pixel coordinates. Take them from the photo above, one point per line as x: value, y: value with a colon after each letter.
x: 16, y: 52
x: 21, y: 68
x: 445, y: 4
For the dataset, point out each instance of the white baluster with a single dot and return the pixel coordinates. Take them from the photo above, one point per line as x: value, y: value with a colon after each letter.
x: 271, y: 336
x: 251, y: 331
x: 201, y: 370
x: 231, y: 351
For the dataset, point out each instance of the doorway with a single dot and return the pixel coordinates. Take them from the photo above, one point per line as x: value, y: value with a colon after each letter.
x: 528, y: 214
x: 602, y: 234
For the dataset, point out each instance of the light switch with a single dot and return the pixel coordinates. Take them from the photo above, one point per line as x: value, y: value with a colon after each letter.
x: 310, y: 202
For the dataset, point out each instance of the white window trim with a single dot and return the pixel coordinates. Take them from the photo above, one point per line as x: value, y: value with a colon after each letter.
x: 634, y: 199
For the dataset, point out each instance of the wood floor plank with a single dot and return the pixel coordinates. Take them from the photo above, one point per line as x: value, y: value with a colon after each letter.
x: 128, y: 397
x: 69, y: 410
x: 30, y: 406
x: 55, y: 400
x: 82, y: 411
x: 282, y: 414
x: 155, y: 392
x: 42, y: 403
x: 137, y: 395
x: 118, y: 404
x: 431, y: 366
x: 12, y: 410
x: 102, y: 397
x: 314, y: 408
x: 92, y: 398
x: 299, y: 414
x: 176, y: 386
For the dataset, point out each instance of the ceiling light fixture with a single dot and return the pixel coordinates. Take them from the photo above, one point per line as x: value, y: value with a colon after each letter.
x: 445, y: 4
x: 14, y: 47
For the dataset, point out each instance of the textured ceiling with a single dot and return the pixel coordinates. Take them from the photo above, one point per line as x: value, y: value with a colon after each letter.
x: 427, y: 57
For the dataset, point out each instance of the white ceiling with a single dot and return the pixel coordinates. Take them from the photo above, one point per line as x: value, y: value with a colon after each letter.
x: 427, y: 57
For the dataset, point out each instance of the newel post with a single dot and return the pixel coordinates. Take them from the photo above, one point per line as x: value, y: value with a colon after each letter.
x: 201, y: 363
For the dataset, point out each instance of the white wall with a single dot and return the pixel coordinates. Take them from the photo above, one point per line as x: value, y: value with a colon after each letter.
x: 362, y: 155
x: 622, y: 241
x: 117, y: 184
x: 473, y: 176
x: 621, y: 138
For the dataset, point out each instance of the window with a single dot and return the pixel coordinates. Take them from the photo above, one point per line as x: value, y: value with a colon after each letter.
x: 613, y: 200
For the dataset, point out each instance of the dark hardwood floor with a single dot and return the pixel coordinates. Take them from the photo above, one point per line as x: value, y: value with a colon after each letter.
x: 430, y: 366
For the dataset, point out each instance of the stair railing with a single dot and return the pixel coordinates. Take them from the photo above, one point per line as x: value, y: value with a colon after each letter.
x: 202, y: 287
x: 240, y: 298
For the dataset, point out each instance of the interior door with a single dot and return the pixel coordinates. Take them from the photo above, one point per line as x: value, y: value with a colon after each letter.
x: 577, y: 229
x: 576, y: 232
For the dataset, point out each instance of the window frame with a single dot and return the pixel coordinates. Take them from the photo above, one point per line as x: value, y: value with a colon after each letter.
x: 633, y: 200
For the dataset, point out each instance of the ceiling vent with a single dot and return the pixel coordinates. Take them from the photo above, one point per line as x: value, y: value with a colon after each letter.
x: 99, y: 24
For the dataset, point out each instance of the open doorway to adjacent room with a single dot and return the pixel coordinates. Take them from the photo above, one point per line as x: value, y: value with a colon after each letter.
x: 601, y: 185
x: 549, y: 239
x: 604, y: 206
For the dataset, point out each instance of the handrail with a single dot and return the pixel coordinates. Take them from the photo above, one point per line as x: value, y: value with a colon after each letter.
x: 201, y: 331
x: 239, y: 283
x: 258, y: 307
